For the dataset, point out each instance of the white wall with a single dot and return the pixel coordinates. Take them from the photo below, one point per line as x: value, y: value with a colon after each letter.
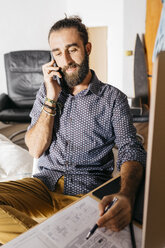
x: 25, y: 25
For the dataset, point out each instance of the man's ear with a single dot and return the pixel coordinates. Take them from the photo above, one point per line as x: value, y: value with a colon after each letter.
x: 88, y: 47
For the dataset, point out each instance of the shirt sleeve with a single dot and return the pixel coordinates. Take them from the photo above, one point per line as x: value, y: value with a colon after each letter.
x: 129, y: 147
x: 37, y: 106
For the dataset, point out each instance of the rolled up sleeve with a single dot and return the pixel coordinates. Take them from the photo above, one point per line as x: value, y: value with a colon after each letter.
x: 129, y: 147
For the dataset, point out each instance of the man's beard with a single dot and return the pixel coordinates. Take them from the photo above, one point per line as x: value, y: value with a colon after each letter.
x: 76, y: 77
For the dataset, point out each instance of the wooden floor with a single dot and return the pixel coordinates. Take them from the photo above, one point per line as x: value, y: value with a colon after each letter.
x: 8, y: 130
x: 142, y: 129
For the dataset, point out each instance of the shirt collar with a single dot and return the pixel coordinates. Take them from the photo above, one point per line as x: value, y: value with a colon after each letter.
x: 95, y: 85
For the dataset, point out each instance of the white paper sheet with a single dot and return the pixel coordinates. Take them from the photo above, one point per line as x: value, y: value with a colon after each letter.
x: 68, y: 229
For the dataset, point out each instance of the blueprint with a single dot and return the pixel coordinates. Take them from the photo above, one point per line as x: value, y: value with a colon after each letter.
x: 69, y: 228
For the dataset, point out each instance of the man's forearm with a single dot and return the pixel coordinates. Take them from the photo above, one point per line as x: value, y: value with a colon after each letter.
x: 131, y: 176
x: 120, y: 214
x: 39, y: 137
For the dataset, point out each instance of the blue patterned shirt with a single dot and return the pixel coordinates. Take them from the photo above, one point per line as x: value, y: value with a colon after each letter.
x: 86, y: 128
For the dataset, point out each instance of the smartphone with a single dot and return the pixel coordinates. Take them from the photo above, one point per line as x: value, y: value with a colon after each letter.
x: 56, y: 77
x: 60, y: 81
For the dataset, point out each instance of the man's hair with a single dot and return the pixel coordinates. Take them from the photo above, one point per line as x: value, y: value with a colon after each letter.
x: 71, y: 22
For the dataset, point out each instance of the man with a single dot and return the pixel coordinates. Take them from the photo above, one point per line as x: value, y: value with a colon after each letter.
x: 73, y: 130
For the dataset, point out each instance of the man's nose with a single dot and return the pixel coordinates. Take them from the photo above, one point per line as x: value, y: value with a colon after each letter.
x: 67, y: 59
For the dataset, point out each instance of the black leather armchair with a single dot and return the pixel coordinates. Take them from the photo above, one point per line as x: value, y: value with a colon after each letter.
x: 23, y: 77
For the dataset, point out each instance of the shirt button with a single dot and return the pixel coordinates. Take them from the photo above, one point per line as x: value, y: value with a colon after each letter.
x: 67, y: 142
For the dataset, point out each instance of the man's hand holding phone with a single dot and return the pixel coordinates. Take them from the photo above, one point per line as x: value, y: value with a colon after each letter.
x: 52, y: 87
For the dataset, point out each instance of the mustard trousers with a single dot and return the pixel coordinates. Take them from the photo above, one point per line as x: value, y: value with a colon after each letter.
x: 24, y: 203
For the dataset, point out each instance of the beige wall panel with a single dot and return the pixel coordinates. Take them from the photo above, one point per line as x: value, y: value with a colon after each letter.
x: 98, y: 57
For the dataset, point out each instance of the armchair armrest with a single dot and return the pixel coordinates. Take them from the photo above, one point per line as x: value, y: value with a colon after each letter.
x: 5, y: 101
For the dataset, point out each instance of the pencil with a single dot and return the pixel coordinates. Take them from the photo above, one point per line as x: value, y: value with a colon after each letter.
x: 91, y: 232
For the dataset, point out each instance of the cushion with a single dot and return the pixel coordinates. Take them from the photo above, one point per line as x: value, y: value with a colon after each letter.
x: 15, y: 162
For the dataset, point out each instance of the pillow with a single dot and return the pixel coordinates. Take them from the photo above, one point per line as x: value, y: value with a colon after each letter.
x: 15, y: 162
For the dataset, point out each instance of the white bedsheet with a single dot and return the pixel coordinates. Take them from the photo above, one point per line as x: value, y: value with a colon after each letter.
x: 15, y: 162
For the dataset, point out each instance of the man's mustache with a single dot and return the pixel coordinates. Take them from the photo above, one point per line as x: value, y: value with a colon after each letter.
x: 73, y: 65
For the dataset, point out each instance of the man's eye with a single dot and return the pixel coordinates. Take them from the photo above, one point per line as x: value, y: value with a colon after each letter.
x: 58, y: 54
x: 72, y: 50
